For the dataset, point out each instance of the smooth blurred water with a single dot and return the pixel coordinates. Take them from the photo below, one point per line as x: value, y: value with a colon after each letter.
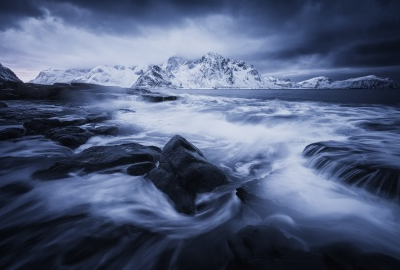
x: 255, y: 136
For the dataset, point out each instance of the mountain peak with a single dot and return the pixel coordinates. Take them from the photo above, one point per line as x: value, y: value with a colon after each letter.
x: 8, y: 75
x: 213, y: 55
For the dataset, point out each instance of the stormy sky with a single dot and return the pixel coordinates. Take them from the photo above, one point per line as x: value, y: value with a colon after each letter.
x: 292, y: 38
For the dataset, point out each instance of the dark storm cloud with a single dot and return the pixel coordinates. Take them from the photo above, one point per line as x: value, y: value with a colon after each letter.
x: 320, y: 33
x: 11, y: 12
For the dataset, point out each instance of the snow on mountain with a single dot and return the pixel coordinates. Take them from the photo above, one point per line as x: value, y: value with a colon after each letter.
x: 367, y: 82
x: 112, y: 75
x: 276, y: 83
x: 317, y: 82
x: 7, y: 75
x: 155, y: 77
x: 51, y: 76
x: 210, y: 71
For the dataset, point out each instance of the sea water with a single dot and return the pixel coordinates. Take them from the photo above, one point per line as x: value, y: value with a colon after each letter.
x: 255, y: 136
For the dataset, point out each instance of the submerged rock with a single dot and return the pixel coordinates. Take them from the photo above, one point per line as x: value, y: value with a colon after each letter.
x: 358, y: 164
x: 11, y: 133
x: 156, y: 97
x: 72, y: 136
x: 269, y: 247
x: 184, y: 171
x: 105, y: 130
x: 99, y: 158
x: 41, y: 125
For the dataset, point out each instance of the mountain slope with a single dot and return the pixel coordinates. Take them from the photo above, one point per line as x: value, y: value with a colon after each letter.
x: 51, y: 76
x: 155, y: 77
x: 317, y: 82
x: 366, y: 82
x: 7, y: 75
x: 112, y: 75
x: 210, y: 71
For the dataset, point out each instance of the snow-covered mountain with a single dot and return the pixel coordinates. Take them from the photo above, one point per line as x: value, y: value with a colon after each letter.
x: 276, y: 83
x: 210, y: 71
x: 112, y: 75
x: 367, y: 82
x: 317, y: 82
x: 51, y: 76
x: 7, y: 75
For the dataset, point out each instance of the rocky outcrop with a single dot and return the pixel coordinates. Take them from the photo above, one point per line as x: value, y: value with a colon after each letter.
x: 183, y: 172
x: 100, y: 158
x: 68, y: 132
x: 358, y: 164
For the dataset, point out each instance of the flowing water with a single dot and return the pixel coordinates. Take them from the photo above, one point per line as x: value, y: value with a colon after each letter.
x: 116, y: 221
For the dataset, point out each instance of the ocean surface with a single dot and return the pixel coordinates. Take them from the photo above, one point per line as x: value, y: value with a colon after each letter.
x: 257, y: 137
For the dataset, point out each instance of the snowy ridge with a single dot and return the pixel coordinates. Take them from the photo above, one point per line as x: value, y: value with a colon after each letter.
x: 317, y: 82
x: 366, y: 82
x: 8, y: 75
x: 210, y: 71
x: 111, y: 75
x: 51, y: 76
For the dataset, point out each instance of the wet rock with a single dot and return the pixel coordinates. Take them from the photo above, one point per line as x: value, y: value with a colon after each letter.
x: 99, y: 158
x: 15, y: 189
x: 98, y: 117
x: 11, y: 133
x: 40, y: 125
x: 3, y: 105
x: 72, y: 137
x: 105, y: 130
x: 358, y: 164
x: 184, y: 171
x: 268, y: 247
x: 140, y: 168
x: 155, y: 97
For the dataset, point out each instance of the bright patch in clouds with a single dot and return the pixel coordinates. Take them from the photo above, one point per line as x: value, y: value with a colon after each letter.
x: 48, y: 42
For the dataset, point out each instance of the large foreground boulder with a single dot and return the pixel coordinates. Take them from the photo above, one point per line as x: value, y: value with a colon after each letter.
x: 99, y: 158
x: 183, y: 172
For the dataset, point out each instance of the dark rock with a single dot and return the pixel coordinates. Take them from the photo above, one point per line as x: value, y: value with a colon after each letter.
x: 40, y: 125
x: 105, y: 130
x: 71, y: 137
x: 99, y: 158
x: 140, y: 168
x: 11, y: 133
x: 3, y: 105
x: 15, y: 189
x: 98, y: 117
x: 184, y: 171
x: 359, y: 164
x: 268, y: 247
x: 155, y: 97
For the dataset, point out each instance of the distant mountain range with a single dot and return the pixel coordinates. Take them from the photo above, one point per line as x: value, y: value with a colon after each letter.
x: 210, y: 71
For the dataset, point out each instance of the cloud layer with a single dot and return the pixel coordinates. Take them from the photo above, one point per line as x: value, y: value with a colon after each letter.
x: 298, y: 38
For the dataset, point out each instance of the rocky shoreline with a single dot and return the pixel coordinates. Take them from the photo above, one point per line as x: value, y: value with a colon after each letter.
x: 180, y: 170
